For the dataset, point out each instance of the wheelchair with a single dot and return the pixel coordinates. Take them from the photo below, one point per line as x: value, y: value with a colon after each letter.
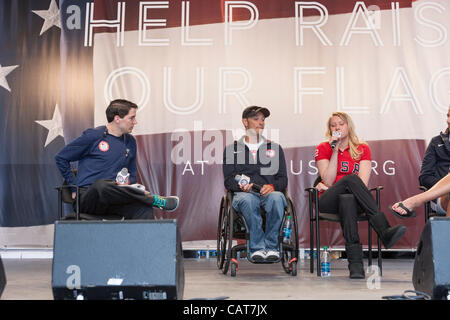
x: 232, y: 226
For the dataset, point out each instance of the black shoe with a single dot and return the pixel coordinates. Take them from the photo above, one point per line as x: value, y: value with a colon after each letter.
x: 356, y: 270
x: 355, y: 260
x: 391, y: 235
x: 166, y: 203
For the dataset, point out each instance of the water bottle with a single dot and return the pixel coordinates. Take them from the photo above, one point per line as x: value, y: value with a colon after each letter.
x: 325, y: 269
x: 287, y: 229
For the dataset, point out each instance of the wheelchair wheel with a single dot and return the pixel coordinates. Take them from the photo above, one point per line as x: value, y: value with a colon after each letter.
x: 221, y: 234
x: 294, y: 268
x: 224, y: 236
x: 233, y: 269
x: 290, y: 251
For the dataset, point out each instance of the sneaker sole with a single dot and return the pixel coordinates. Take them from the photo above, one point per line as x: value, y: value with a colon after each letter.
x: 178, y: 202
x: 258, y: 259
x: 272, y: 258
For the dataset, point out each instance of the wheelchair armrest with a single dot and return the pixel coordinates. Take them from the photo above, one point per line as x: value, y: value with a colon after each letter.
x: 423, y: 188
x: 377, y: 188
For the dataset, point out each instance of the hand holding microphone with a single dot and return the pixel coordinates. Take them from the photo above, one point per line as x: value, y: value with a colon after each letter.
x: 123, y: 177
x: 244, y: 182
x: 336, y: 135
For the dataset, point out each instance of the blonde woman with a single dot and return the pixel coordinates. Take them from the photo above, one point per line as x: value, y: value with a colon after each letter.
x: 344, y: 164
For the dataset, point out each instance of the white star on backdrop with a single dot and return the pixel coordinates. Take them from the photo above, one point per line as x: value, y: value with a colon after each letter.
x: 54, y: 126
x: 51, y: 17
x: 4, y: 71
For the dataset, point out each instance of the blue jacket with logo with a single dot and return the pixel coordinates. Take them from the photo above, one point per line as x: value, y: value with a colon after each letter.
x: 268, y: 168
x: 436, y: 161
x: 100, y: 155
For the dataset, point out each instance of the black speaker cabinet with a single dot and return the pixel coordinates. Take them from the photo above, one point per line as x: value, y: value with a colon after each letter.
x: 134, y: 259
x: 2, y: 277
x: 431, y: 272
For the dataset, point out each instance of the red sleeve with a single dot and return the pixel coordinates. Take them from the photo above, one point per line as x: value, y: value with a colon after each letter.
x: 367, y: 154
x: 323, y: 151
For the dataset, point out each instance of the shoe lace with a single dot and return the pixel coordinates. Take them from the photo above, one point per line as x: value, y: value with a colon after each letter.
x: 159, y: 202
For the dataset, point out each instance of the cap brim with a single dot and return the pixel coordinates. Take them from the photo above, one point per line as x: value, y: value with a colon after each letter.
x: 252, y: 113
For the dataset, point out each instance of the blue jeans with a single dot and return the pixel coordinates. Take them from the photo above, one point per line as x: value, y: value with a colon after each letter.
x: 249, y: 203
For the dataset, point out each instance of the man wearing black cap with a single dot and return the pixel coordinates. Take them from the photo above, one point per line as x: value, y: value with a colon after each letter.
x: 263, y: 162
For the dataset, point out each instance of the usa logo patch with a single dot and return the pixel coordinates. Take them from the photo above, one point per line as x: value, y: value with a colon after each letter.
x: 270, y: 153
x: 103, y: 146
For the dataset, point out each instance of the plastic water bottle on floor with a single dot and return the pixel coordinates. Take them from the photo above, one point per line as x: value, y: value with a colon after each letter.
x: 287, y: 229
x: 325, y: 268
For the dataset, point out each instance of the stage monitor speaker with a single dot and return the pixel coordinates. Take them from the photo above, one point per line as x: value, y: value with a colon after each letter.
x: 432, y: 263
x: 2, y: 277
x: 108, y: 260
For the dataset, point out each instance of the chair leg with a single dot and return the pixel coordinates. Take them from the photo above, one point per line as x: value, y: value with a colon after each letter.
x: 60, y: 205
x: 427, y: 211
x: 311, y: 246
x: 380, y: 261
x: 319, y: 273
x: 370, y: 244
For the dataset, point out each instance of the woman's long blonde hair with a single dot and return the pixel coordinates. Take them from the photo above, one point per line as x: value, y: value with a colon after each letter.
x: 353, y: 140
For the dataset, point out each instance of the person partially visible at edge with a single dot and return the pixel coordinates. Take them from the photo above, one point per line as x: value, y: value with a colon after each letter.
x: 441, y: 188
x: 435, y: 166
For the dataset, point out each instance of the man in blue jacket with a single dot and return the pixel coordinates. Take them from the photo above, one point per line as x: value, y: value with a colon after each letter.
x: 102, y: 153
x: 263, y: 162
x: 436, y: 165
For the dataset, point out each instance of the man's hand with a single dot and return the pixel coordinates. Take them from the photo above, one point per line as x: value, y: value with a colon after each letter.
x: 266, y: 189
x: 74, y: 194
x: 246, y: 188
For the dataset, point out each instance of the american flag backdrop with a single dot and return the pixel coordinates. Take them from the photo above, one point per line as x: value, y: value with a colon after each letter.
x: 192, y: 66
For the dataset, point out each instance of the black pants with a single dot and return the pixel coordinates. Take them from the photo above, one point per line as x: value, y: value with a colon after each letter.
x: 348, y: 198
x: 104, y: 197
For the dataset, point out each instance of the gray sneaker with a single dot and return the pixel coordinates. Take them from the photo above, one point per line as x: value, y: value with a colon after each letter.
x: 166, y: 203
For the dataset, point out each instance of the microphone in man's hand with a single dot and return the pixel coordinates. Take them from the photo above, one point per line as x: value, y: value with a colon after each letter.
x: 123, y: 176
x: 333, y: 143
x: 243, y: 180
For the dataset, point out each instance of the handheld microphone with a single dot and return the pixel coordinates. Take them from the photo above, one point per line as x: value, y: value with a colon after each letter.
x: 336, y: 134
x: 123, y: 176
x: 243, y: 180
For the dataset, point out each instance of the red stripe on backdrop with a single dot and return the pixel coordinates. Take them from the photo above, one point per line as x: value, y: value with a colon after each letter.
x: 213, y: 11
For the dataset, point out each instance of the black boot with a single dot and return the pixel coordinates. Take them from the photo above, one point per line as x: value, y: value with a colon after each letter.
x: 355, y: 260
x: 389, y: 235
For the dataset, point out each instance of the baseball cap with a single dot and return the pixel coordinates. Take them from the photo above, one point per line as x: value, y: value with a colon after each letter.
x: 253, y: 111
